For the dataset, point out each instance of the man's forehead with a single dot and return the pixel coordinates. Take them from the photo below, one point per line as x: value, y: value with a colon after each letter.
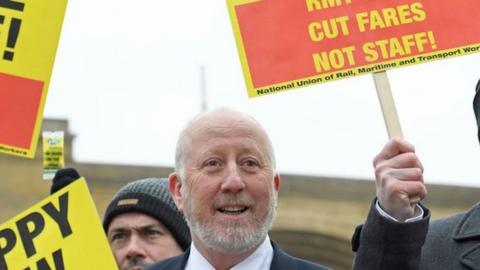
x: 134, y: 220
x: 211, y: 127
x: 225, y: 125
x: 225, y: 130
x: 226, y: 137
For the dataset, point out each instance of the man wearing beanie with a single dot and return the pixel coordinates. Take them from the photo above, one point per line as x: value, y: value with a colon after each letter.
x: 451, y: 243
x: 143, y: 225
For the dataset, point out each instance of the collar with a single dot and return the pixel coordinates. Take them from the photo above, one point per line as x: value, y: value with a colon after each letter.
x: 471, y: 257
x: 260, y: 259
x: 468, y: 227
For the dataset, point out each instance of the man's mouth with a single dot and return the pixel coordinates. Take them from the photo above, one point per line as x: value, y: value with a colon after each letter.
x: 233, y: 210
x: 136, y: 263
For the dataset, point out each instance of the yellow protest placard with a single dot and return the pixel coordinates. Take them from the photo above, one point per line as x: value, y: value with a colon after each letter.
x: 29, y: 34
x: 53, y: 160
x: 62, y: 231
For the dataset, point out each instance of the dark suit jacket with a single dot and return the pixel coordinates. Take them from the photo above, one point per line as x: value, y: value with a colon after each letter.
x: 384, y: 244
x: 453, y: 242
x: 280, y: 261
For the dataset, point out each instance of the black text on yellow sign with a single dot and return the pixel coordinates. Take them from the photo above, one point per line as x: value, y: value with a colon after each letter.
x: 53, y: 148
x: 13, y: 27
x: 31, y: 226
x: 60, y: 232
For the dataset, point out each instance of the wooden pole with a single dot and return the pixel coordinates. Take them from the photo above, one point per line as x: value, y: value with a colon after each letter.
x: 389, y: 111
x: 388, y: 105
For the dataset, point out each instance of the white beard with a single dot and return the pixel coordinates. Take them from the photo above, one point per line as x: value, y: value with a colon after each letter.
x: 231, y: 237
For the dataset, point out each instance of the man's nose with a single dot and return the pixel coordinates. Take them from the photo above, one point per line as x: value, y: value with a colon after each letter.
x: 135, y: 247
x: 233, y: 182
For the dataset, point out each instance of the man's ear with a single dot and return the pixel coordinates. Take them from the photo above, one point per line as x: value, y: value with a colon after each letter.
x: 276, y: 182
x: 174, y: 185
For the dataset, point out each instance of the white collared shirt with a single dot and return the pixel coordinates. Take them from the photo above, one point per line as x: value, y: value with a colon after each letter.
x: 418, y: 213
x: 260, y: 259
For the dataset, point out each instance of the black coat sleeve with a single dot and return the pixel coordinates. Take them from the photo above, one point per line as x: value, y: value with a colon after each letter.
x: 382, y: 243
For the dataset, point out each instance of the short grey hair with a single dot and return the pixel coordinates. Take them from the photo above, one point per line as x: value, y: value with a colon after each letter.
x: 184, y: 137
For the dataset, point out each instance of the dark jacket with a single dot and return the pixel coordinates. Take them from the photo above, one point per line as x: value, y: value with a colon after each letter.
x: 453, y: 242
x: 280, y: 261
x: 385, y: 244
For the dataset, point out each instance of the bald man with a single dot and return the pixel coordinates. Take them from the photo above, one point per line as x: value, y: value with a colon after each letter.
x: 226, y: 184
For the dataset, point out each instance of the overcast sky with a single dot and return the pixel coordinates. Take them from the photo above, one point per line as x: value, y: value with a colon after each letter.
x: 127, y: 77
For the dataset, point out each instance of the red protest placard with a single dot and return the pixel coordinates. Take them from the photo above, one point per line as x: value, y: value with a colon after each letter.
x: 18, y: 108
x: 285, y: 44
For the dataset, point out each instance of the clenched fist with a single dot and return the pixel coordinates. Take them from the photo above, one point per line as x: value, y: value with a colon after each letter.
x: 399, y: 179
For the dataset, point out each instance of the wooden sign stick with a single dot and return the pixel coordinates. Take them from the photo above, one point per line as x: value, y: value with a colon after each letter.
x: 389, y: 111
x: 388, y: 105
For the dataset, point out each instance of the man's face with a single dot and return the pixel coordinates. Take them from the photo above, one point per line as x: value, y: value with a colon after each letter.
x: 138, y: 240
x: 229, y: 196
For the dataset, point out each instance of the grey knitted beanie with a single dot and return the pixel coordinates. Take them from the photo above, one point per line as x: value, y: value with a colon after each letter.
x: 150, y: 196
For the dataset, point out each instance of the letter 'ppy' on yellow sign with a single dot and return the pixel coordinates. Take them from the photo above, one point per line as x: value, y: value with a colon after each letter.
x: 60, y: 232
x: 29, y: 33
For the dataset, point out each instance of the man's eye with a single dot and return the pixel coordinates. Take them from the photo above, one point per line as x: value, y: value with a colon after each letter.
x: 250, y: 163
x: 118, y: 236
x: 212, y: 163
